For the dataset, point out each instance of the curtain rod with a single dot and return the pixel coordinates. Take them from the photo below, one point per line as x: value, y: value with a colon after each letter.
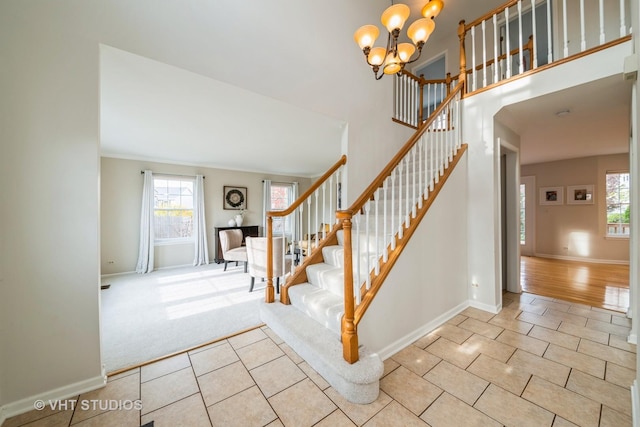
x: 174, y: 174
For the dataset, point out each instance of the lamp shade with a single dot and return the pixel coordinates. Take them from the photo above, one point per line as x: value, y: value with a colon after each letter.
x: 391, y: 64
x: 420, y: 30
x: 366, y: 36
x: 432, y: 9
x: 376, y: 56
x: 395, y: 16
x: 405, y: 50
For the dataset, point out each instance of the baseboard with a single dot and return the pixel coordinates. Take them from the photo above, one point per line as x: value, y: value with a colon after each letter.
x: 583, y: 259
x: 410, y: 338
x: 104, y: 276
x: 635, y: 404
x: 25, y: 405
x: 495, y: 309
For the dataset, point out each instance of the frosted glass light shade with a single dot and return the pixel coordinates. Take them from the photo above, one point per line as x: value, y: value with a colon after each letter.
x: 366, y: 35
x: 432, y: 9
x: 405, y: 50
x: 420, y: 30
x: 395, y: 16
x: 376, y: 56
x: 391, y: 64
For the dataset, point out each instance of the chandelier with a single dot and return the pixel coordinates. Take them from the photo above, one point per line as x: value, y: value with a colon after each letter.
x: 393, y: 59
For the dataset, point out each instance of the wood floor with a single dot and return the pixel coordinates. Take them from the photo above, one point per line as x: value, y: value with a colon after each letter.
x: 597, y: 285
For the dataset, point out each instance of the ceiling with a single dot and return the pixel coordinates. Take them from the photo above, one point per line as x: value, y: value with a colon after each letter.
x: 220, y: 84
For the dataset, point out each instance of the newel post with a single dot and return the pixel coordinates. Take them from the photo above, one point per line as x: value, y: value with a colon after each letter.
x: 463, y: 55
x: 349, y: 329
x: 270, y: 295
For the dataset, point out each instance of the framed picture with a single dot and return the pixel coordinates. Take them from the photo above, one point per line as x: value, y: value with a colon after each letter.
x: 580, y: 194
x: 551, y: 195
x: 235, y: 198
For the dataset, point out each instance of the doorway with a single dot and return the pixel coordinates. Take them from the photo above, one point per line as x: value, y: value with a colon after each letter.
x: 527, y: 215
x: 510, y: 217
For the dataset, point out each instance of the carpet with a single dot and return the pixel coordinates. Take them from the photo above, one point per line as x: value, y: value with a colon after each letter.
x: 146, y: 316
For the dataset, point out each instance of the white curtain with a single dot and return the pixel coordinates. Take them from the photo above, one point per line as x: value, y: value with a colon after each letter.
x: 266, y: 203
x: 199, y: 225
x: 145, y: 251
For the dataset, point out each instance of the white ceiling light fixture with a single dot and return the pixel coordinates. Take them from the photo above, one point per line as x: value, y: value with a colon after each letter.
x: 394, y: 58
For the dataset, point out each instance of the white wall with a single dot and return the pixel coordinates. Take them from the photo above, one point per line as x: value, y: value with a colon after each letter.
x: 121, y: 194
x: 429, y: 280
x: 479, y: 111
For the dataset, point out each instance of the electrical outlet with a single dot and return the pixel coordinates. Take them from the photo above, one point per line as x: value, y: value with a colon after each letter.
x: 475, y: 285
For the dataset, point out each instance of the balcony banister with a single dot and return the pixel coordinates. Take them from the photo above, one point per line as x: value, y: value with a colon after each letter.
x: 488, y: 15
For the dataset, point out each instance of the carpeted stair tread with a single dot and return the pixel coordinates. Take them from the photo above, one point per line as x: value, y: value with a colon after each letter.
x: 321, y: 305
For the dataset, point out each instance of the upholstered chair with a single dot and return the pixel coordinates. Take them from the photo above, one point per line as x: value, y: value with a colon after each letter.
x: 257, y: 258
x: 232, y: 249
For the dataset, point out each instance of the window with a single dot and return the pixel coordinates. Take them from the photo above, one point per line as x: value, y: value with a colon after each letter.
x: 522, y: 214
x: 281, y: 198
x: 617, y: 204
x: 173, y: 209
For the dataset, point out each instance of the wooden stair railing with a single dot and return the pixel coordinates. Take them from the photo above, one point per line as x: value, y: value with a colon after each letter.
x: 436, y: 148
x: 294, y: 214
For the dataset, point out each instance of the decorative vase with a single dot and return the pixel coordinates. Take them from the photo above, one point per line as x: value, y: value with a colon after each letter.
x: 232, y: 222
x: 239, y: 220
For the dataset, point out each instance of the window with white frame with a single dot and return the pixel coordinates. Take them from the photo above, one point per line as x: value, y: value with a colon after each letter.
x: 173, y: 209
x: 281, y: 199
x: 617, y: 197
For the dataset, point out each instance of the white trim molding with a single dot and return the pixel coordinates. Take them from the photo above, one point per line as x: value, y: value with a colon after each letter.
x: 495, y: 309
x: 635, y: 404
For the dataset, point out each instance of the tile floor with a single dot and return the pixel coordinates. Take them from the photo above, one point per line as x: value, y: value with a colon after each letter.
x: 539, y: 362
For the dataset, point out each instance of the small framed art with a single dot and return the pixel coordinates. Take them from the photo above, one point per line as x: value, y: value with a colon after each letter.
x: 235, y: 198
x: 580, y: 194
x: 551, y: 195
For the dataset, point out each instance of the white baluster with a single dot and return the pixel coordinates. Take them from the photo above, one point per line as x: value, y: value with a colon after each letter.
x: 564, y: 28
x: 301, y: 234
x: 385, y: 253
x: 316, y: 194
x: 366, y: 251
x: 331, y: 194
x: 393, y: 208
x: 356, y: 280
x: 396, y: 104
x: 400, y: 218
x: 601, y: 12
x: 413, y: 187
x: 473, y: 57
x: 508, y: 43
x: 623, y: 26
x: 535, y: 36
x: 376, y: 198
x: 324, y: 209
x: 406, y: 191
x: 425, y: 153
x: 414, y: 102
x: 583, y: 37
x: 420, y: 159
x: 520, y: 53
x: 484, y: 55
x: 432, y: 143
x: 549, y: 40
x: 496, y: 41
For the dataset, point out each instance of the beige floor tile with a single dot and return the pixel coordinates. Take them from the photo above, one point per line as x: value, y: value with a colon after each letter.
x: 482, y: 328
x: 359, y: 414
x: 495, y: 349
x: 508, y: 313
x: 123, y: 374
x: 604, y: 310
x: 457, y: 382
x: 247, y: 338
x: 512, y: 324
x: 336, y: 419
x: 224, y: 382
x: 536, y: 309
x: 569, y: 405
x: 561, y: 422
x: 127, y: 388
x: 410, y: 390
x: 167, y: 389
x: 524, y: 297
x: 508, y: 377
x: 610, y: 328
x: 453, y: 333
x: 514, y: 339
x: 453, y: 353
x: 619, y: 375
x: 302, y: 404
x: 558, y: 338
x: 610, y: 354
x: 389, y: 366
x: 536, y: 319
x: 457, y: 319
x: 476, y: 313
x: 511, y: 410
x: 448, y: 411
x: 416, y: 359
x: 259, y: 353
x: 163, y: 367
x: 611, y: 418
x: 277, y: 375
x: 276, y: 423
x: 120, y: 418
x: 426, y: 340
x: 587, y: 312
x: 295, y: 357
x: 247, y: 408
x: 541, y: 367
x: 208, y: 346
x: 213, y: 358
x: 314, y: 376
x: 61, y: 413
x: 189, y: 411
x: 621, y: 321
x: 57, y: 419
x: 621, y: 343
x: 395, y: 414
x: 614, y: 396
x: 583, y: 332
x: 583, y: 362
x: 558, y: 306
x: 565, y: 317
x: 274, y: 337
